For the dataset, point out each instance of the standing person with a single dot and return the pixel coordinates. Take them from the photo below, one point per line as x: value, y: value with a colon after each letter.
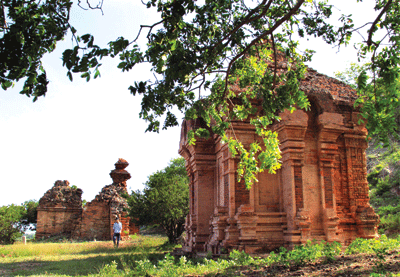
x: 117, y: 228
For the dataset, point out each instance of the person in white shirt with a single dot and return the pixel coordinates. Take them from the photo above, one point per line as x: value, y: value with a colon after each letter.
x: 117, y: 228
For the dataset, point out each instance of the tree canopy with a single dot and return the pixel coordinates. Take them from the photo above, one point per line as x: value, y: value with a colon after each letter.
x: 16, y: 219
x: 164, y: 200
x: 383, y: 112
x: 28, y: 30
x: 201, y: 48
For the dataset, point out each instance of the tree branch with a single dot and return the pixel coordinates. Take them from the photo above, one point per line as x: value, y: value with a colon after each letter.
x: 147, y: 26
x: 255, y: 41
x: 275, y: 60
x: 371, y: 30
x: 247, y: 20
x: 4, y: 16
x: 97, y: 7
x: 356, y: 29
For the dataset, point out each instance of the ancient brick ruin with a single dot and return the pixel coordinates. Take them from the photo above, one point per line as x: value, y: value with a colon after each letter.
x: 320, y: 192
x: 60, y: 211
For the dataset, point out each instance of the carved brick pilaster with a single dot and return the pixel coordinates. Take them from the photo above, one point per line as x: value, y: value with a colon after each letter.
x: 291, y: 132
x: 357, y: 171
x: 331, y: 126
x: 218, y: 224
x: 303, y: 222
x: 231, y: 234
x: 200, y: 164
x: 367, y: 222
x: 364, y: 215
x: 190, y: 228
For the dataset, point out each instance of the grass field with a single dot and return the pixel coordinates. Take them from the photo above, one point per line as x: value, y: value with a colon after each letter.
x: 149, y: 256
x: 75, y: 258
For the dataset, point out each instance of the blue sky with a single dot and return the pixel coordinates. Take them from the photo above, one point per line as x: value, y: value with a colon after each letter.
x: 79, y: 130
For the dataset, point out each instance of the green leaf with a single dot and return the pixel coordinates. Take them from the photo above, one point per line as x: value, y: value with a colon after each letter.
x: 96, y: 73
x: 362, y: 80
x: 69, y: 74
x: 86, y: 75
x: 121, y: 65
x: 5, y: 85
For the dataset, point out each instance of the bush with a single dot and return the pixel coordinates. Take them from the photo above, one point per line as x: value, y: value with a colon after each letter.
x: 15, y: 219
x: 10, y: 227
x: 384, y: 180
x: 376, y: 246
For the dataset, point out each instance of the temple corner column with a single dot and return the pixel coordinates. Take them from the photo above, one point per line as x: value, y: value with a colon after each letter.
x: 292, y: 130
x: 331, y: 126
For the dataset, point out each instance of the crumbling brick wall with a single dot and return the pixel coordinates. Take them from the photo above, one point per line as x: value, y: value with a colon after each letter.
x: 94, y: 222
x: 60, y: 210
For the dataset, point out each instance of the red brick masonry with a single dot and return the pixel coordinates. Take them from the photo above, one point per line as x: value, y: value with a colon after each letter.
x: 320, y: 192
x: 60, y: 210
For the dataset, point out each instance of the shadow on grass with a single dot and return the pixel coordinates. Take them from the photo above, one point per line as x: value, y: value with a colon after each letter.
x: 72, y: 267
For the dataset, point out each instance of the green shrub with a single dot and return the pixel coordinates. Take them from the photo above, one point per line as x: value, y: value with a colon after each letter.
x: 373, y: 245
x: 241, y: 258
x: 167, y: 266
x: 390, y: 223
x: 301, y: 254
x: 331, y: 250
x: 109, y: 270
x: 144, y: 266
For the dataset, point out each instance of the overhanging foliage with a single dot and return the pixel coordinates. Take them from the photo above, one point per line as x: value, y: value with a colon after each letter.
x: 201, y: 48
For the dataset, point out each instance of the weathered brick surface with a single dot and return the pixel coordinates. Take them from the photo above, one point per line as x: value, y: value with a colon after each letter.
x: 298, y: 186
x: 242, y: 194
x: 320, y: 192
x: 95, y: 222
x: 60, y: 210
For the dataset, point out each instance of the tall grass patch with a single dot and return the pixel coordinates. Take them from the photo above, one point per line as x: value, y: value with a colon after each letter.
x: 75, y: 258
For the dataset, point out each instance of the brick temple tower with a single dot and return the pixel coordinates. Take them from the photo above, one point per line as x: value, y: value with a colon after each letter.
x: 320, y: 192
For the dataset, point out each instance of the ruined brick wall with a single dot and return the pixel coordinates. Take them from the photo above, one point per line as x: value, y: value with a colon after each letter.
x: 133, y: 228
x: 60, y: 210
x: 126, y: 226
x: 94, y: 222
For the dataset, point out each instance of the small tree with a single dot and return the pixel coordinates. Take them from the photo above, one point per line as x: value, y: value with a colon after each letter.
x: 16, y: 219
x: 164, y: 200
x: 10, y: 226
x: 29, y: 216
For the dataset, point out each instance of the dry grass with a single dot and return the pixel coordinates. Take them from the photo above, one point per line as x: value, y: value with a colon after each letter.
x: 72, y: 258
